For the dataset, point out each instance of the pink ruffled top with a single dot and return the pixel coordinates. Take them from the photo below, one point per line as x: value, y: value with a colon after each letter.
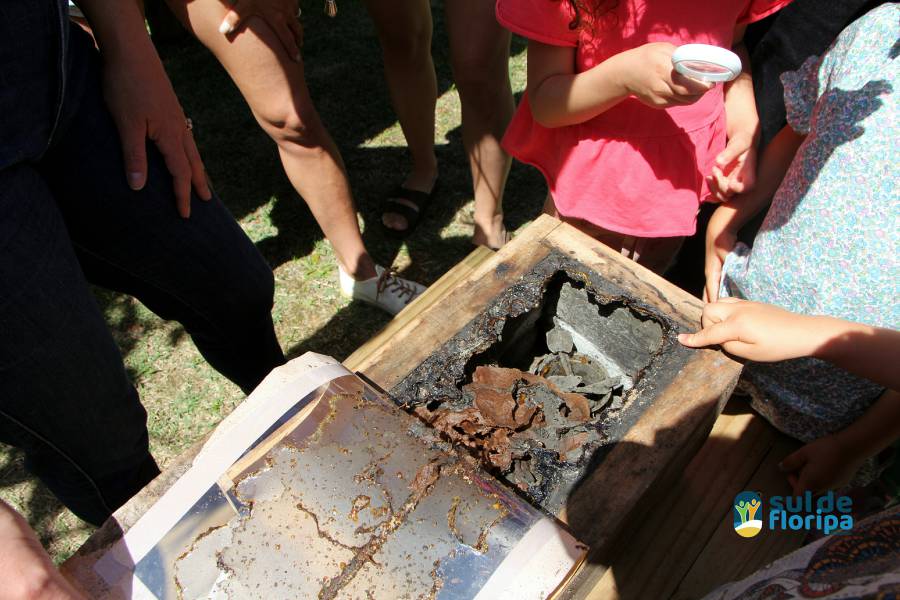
x: 633, y: 169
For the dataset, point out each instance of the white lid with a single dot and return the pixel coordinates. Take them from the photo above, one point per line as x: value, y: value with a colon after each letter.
x: 706, y: 63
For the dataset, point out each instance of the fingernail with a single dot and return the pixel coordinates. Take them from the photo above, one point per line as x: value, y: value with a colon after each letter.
x: 225, y: 28
x: 135, y: 180
x: 297, y: 57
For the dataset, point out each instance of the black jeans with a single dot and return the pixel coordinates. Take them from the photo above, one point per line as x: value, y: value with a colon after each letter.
x: 68, y: 218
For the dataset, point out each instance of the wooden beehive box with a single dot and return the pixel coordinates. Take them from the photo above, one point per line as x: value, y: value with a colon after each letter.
x: 475, y: 315
x: 492, y: 306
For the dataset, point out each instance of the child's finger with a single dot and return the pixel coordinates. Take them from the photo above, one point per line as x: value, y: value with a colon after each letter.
x: 716, y: 312
x: 713, y: 335
x: 297, y: 29
x: 730, y: 154
x: 794, y: 461
x: 287, y: 36
x: 721, y: 183
x: 736, y: 185
x: 688, y: 86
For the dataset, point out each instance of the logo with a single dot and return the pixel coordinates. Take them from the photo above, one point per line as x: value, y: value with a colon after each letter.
x: 747, y: 507
x: 827, y: 513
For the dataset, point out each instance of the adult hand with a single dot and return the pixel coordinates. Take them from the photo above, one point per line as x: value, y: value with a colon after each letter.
x: 143, y: 105
x: 735, y: 168
x: 25, y: 569
x: 825, y: 464
x: 755, y: 331
x: 281, y: 15
x: 720, y: 240
x: 648, y: 75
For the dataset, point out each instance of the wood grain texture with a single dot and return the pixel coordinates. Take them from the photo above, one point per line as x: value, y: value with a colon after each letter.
x: 433, y: 295
x: 728, y: 557
x: 426, y: 327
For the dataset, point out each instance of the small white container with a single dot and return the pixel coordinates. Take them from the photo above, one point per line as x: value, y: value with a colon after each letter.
x: 706, y: 63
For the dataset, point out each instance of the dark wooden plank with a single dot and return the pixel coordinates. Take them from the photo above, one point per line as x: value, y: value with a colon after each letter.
x: 660, y: 545
x: 729, y: 557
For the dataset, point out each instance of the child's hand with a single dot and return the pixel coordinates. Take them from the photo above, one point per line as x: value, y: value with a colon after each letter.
x: 647, y: 74
x: 755, y: 331
x: 720, y: 240
x: 735, y: 169
x: 825, y: 464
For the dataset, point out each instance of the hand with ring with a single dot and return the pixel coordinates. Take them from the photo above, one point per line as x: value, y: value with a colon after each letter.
x: 283, y: 16
x: 143, y: 106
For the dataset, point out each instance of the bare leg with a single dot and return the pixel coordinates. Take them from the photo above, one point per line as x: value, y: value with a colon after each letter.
x: 274, y: 86
x: 479, y: 50
x: 404, y: 29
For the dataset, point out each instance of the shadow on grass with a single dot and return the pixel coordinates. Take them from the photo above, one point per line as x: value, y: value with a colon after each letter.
x: 345, y: 76
x: 42, y: 507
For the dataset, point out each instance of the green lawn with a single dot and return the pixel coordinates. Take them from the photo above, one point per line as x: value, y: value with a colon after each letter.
x: 185, y: 398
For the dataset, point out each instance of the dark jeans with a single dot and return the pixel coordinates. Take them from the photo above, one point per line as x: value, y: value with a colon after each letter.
x: 67, y: 218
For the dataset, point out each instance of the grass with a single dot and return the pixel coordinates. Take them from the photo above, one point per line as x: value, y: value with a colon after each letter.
x: 184, y: 397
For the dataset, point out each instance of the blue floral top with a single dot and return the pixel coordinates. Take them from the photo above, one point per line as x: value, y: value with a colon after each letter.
x: 829, y: 243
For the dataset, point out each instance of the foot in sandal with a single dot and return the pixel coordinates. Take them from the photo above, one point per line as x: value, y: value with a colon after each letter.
x: 387, y: 291
x: 493, y: 234
x: 405, y: 206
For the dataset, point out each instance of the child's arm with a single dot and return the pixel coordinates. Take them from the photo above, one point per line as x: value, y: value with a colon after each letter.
x: 721, y: 233
x: 766, y: 333
x: 560, y: 97
x: 735, y: 168
x: 830, y: 462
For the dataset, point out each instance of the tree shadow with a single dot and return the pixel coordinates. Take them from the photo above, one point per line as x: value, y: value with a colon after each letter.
x: 42, y: 507
x: 344, y: 72
x: 345, y: 76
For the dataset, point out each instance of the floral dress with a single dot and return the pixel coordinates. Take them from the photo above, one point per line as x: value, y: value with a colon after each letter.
x: 829, y: 243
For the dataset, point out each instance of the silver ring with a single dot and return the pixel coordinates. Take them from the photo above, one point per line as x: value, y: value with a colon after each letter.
x: 189, y: 123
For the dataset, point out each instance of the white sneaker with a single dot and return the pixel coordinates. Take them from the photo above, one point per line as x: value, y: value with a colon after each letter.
x: 387, y: 291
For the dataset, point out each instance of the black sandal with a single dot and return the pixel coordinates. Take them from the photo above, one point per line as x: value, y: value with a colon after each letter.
x: 412, y: 215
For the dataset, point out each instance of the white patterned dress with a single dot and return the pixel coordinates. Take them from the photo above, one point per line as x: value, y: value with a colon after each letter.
x: 829, y: 243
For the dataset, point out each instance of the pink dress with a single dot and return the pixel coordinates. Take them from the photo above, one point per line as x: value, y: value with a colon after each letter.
x: 633, y: 169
